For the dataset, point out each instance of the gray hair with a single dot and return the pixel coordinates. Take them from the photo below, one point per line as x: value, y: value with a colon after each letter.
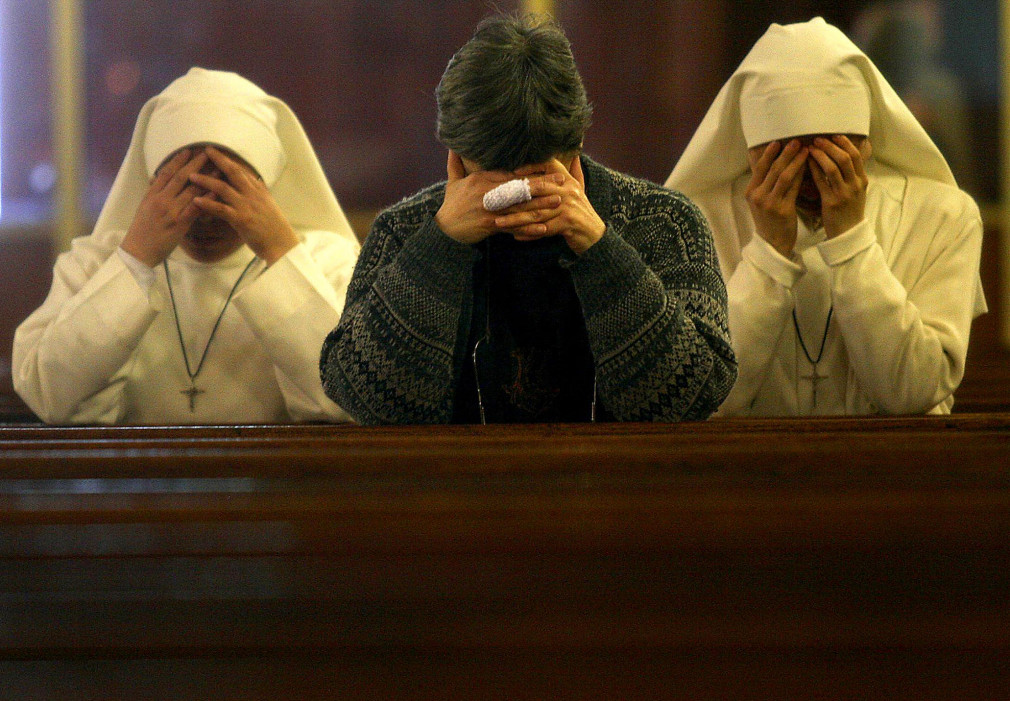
x: 512, y: 95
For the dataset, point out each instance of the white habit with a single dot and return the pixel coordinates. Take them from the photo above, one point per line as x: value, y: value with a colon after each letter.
x: 104, y: 347
x: 902, y: 286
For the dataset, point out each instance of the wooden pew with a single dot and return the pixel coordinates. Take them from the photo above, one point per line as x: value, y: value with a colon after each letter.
x: 827, y: 558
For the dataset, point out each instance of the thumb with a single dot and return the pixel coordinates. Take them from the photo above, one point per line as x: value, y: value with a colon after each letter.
x: 455, y: 167
x: 576, y: 170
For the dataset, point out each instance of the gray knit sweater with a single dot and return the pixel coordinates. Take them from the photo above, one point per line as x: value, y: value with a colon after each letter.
x: 653, y: 301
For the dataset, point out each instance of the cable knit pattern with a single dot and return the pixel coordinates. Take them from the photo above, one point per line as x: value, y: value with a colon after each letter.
x: 652, y: 296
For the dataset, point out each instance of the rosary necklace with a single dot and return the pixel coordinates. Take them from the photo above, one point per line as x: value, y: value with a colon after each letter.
x: 813, y: 376
x: 193, y: 390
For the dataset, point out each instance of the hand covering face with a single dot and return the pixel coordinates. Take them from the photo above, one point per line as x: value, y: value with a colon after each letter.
x: 222, y: 108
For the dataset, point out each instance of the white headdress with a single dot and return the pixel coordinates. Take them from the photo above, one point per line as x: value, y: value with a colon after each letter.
x: 225, y: 109
x: 806, y: 78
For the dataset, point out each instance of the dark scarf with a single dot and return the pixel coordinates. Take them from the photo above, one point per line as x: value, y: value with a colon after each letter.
x: 535, y: 364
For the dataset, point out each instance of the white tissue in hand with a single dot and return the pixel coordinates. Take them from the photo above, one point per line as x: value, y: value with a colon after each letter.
x: 508, y: 194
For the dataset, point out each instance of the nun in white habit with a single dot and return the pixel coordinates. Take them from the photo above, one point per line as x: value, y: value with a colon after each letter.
x: 851, y: 256
x: 216, y: 268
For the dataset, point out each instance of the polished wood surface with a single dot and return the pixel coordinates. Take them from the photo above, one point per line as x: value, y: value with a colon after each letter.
x: 829, y: 558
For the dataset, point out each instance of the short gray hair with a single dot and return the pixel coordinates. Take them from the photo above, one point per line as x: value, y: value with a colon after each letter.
x: 512, y: 95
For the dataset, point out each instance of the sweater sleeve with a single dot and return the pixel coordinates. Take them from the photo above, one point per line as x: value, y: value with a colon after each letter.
x: 393, y: 356
x: 655, y: 308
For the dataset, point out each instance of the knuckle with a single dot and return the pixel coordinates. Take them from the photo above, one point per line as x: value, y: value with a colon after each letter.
x: 755, y: 199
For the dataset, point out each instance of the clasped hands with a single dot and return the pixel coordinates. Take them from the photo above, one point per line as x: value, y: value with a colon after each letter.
x: 559, y: 206
x: 204, y: 181
x: 835, y: 165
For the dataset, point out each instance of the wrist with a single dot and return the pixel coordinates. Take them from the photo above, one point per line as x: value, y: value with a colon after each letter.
x: 783, y: 247
x: 272, y: 248
x: 786, y: 251
x: 442, y: 222
x: 457, y: 234
x: 143, y: 254
x: 580, y: 242
x: 781, y: 236
x: 837, y: 228
x: 273, y: 253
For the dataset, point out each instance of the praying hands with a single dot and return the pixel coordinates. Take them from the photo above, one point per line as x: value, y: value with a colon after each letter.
x: 463, y: 216
x: 167, y: 211
x: 776, y: 177
x: 573, y: 217
x: 239, y: 197
x: 559, y: 206
x: 821, y: 177
x: 837, y: 168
